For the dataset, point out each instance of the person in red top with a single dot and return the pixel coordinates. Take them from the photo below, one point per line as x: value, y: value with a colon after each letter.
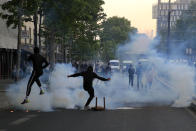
x: 88, y: 77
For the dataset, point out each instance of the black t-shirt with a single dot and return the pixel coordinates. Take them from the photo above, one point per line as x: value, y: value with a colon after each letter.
x: 88, y: 78
x: 38, y: 62
x: 131, y: 70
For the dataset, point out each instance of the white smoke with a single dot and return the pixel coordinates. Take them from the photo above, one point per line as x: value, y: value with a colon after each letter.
x: 173, y: 84
x: 17, y: 92
x: 60, y: 93
x: 177, y: 78
x: 135, y: 48
x: 66, y: 92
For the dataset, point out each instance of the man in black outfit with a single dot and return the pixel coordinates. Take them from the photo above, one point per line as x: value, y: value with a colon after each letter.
x: 38, y: 67
x: 131, y: 72
x: 88, y: 77
x: 108, y: 70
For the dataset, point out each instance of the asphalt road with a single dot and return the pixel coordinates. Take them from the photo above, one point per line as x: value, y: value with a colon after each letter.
x: 145, y: 119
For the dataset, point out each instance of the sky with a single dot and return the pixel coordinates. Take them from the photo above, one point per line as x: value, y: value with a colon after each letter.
x: 139, y: 12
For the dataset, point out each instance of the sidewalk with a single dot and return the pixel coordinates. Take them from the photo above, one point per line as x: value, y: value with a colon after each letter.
x: 4, y: 84
x: 4, y: 103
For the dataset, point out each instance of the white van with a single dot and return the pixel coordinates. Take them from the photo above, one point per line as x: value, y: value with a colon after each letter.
x: 115, y: 65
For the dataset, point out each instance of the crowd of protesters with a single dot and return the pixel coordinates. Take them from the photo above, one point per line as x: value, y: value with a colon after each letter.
x: 141, y: 75
x: 136, y: 73
x: 102, y: 69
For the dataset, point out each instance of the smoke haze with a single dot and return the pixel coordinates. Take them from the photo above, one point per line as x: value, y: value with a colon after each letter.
x: 173, y: 84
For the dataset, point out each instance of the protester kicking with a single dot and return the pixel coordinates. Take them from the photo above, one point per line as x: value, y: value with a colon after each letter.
x: 88, y: 77
x: 39, y: 63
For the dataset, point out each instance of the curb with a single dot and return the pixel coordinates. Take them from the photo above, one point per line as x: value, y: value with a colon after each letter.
x: 3, y: 90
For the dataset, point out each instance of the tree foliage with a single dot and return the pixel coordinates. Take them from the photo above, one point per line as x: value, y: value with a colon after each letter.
x: 116, y: 30
x: 77, y: 22
x: 11, y: 13
x: 79, y: 25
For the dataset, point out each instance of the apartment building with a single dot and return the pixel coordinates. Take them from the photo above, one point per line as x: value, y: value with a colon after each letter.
x: 8, y: 45
x: 160, y: 12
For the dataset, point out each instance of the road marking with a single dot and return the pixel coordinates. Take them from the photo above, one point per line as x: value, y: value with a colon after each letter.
x: 191, y: 113
x: 3, y: 130
x: 125, y: 108
x: 22, y: 120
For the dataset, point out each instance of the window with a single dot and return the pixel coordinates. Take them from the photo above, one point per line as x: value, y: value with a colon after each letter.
x: 178, y: 6
x: 164, y: 7
x: 162, y: 12
x: 186, y: 7
x: 166, y: 12
x: 174, y: 7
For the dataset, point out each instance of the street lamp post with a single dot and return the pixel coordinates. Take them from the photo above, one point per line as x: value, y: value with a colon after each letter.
x: 168, y: 30
x: 19, y: 39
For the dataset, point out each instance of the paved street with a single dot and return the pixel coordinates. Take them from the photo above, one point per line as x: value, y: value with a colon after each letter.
x: 4, y: 103
x: 141, y: 119
x: 147, y: 119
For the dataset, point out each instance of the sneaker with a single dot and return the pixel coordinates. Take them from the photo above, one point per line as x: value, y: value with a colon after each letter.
x: 87, y: 108
x: 25, y: 101
x: 41, y: 92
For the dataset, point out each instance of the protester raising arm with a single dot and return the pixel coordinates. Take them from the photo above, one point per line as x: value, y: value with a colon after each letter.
x: 76, y: 75
x: 100, y: 78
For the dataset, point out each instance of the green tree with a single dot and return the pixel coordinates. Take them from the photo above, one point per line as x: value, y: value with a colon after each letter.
x: 88, y: 30
x: 76, y: 21
x: 13, y: 12
x: 116, y: 30
x: 33, y: 8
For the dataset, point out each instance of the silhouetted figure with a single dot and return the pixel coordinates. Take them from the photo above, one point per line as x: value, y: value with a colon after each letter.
x: 139, y: 75
x: 75, y: 64
x: 14, y: 73
x: 150, y: 76
x: 131, y: 71
x: 108, y: 70
x: 38, y: 67
x: 80, y: 67
x: 88, y: 77
x: 85, y: 66
x: 96, y: 67
x: 102, y: 68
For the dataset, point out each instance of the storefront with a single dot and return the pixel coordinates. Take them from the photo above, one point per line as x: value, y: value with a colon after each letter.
x: 8, y: 59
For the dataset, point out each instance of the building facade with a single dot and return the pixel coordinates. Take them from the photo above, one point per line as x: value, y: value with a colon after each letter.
x: 8, y: 46
x: 160, y: 12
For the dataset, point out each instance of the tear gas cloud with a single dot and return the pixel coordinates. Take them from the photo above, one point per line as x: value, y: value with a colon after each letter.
x: 173, y: 84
